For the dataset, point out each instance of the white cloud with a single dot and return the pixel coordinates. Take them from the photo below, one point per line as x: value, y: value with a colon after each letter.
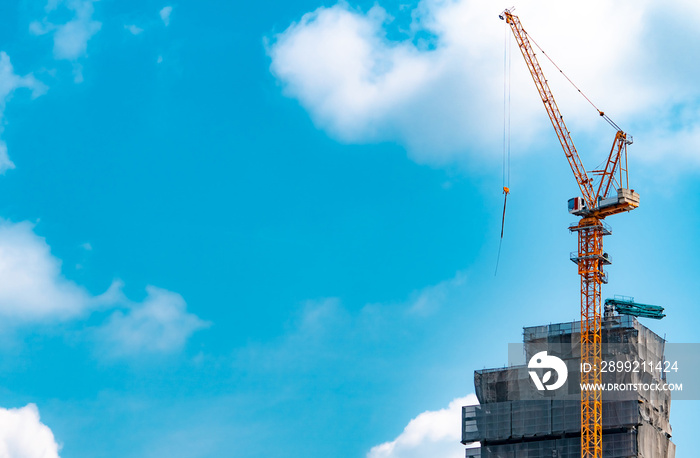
x: 432, y: 433
x: 9, y: 82
x: 165, y: 15
x: 322, y: 328
x: 331, y: 348
x: 78, y: 73
x: 134, y: 29
x: 5, y: 162
x: 443, y: 96
x: 70, y: 39
x: 22, y: 435
x: 432, y: 298
x: 159, y: 324
x: 355, y: 84
x: 37, y: 28
x: 33, y: 290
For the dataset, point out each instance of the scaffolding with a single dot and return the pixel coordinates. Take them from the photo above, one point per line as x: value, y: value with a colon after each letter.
x: 509, y: 424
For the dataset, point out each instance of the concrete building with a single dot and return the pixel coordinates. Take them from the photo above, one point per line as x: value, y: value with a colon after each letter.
x: 516, y: 420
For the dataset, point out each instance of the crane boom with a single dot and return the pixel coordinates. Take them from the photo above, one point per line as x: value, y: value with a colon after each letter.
x: 590, y: 257
x: 550, y: 105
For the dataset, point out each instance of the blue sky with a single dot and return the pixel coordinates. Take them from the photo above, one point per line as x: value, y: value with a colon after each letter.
x: 270, y: 228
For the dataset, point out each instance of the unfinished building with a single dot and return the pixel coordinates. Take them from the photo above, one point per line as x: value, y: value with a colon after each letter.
x: 512, y: 422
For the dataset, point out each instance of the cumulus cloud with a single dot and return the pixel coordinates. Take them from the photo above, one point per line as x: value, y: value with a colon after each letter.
x: 160, y: 324
x: 436, y: 85
x: 323, y: 327
x: 33, y: 290
x: 357, y: 85
x: 165, y: 15
x: 9, y: 82
x: 22, y: 434
x: 432, y: 433
x: 5, y: 162
x: 330, y: 347
x: 70, y: 39
x: 432, y: 298
x: 134, y: 29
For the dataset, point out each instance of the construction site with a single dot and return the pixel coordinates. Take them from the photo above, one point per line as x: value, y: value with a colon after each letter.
x: 511, y: 423
x: 552, y: 402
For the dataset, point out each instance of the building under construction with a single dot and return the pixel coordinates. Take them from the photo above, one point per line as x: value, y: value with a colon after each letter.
x: 578, y: 419
x: 511, y: 422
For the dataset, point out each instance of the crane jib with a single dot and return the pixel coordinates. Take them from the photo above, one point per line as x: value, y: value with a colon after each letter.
x: 615, y: 171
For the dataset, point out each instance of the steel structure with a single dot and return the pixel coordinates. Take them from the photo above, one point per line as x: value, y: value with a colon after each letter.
x: 626, y: 306
x: 604, y: 192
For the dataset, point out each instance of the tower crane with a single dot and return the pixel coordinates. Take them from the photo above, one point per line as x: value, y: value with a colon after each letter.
x: 604, y: 193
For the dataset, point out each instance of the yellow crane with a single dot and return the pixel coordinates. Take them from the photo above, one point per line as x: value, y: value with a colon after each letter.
x: 604, y: 192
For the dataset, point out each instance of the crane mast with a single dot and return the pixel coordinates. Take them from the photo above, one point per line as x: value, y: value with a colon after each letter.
x: 609, y: 197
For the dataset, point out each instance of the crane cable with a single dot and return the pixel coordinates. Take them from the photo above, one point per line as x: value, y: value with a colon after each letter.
x: 506, y: 135
x: 506, y: 110
x: 600, y: 112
